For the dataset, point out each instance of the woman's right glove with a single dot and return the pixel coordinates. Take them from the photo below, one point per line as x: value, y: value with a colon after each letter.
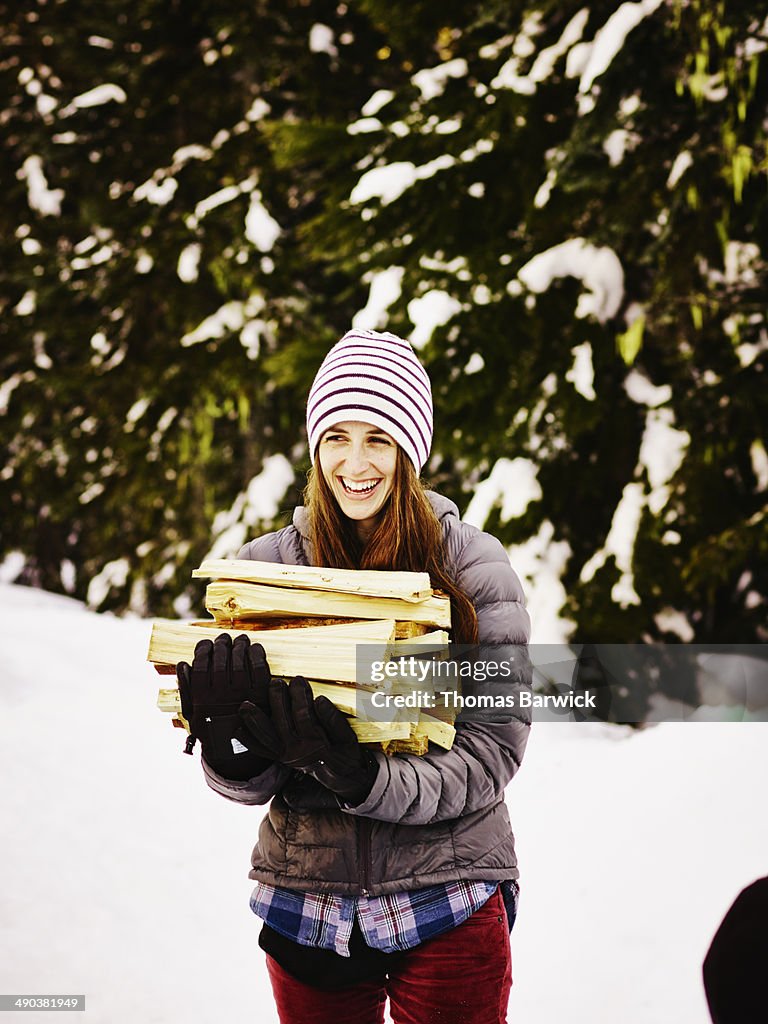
x: 223, y: 677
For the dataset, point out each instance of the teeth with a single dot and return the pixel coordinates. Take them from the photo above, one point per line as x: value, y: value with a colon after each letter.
x: 359, y: 488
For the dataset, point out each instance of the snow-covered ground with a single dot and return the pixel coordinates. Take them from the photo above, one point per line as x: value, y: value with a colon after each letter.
x: 124, y: 878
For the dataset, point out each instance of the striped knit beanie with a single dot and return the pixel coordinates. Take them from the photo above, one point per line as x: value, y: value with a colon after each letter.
x: 377, y: 379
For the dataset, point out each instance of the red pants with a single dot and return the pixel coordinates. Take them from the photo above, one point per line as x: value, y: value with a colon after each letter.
x: 461, y: 977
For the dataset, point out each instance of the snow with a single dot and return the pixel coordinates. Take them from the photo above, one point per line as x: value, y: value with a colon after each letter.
x: 492, y: 50
x: 232, y: 316
x: 544, y: 190
x: 144, y: 263
x: 380, y: 99
x: 137, y: 410
x: 620, y: 544
x: 321, y: 40
x: 11, y: 566
x: 27, y: 304
x: 582, y: 373
x: 114, y: 574
x: 662, y: 451
x: 42, y: 360
x: 747, y: 352
x: 9, y: 385
x: 45, y: 104
x: 389, y: 181
x: 194, y: 151
x: 511, y: 481
x: 607, y: 44
x: 641, y: 390
x: 386, y: 183
x: 125, y: 876
x: 364, y: 126
x: 540, y: 561
x: 102, y: 255
x: 546, y: 59
x: 597, y: 267
x: 743, y: 262
x: 100, y: 344
x: 617, y: 143
x: 431, y: 310
x: 189, y: 262
x: 97, y: 97
x: 158, y: 192
x: 656, y: 839
x: 682, y: 162
x: 250, y: 337
x: 431, y: 82
x: 261, y: 228
x: 474, y: 364
x: 759, y: 458
x: 258, y: 110
x: 30, y: 246
x: 669, y: 620
x: 40, y: 197
x: 224, y: 195
x: 385, y: 289
x: 260, y: 502
x: 508, y: 76
x: 448, y: 127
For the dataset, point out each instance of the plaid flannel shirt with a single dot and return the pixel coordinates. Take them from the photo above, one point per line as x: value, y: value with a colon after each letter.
x: 393, y: 922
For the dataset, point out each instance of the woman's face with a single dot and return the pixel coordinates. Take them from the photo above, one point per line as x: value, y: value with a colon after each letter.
x: 358, y: 462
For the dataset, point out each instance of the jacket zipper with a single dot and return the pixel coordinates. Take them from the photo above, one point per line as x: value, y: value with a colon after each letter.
x: 364, y: 854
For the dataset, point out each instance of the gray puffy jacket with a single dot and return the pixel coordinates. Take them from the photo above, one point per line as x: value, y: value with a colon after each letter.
x: 431, y: 819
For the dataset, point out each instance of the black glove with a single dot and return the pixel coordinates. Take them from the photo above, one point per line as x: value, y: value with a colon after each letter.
x: 317, y: 738
x: 223, y: 676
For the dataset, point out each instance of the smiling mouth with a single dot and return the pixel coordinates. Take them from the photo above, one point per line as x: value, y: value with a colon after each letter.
x: 361, y: 488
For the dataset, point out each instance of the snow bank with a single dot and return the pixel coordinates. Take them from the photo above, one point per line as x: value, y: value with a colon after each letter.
x: 125, y: 877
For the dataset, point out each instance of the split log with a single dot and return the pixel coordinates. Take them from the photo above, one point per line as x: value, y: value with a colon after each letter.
x: 414, y: 744
x: 440, y: 733
x: 407, y: 586
x: 366, y: 732
x: 404, y: 630
x: 311, y: 621
x: 233, y: 599
x: 323, y: 652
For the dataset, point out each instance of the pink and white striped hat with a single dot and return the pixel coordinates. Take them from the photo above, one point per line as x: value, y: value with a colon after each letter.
x: 377, y: 379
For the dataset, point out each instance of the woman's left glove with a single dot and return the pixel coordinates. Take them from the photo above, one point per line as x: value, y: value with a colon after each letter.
x: 317, y: 738
x: 222, y: 677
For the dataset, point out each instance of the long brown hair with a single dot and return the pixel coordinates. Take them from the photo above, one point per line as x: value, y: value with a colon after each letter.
x: 408, y: 537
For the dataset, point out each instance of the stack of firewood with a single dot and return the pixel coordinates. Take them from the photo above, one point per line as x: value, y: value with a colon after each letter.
x: 310, y: 621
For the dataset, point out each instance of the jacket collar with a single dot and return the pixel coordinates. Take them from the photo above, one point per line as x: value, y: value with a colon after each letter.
x: 443, y: 507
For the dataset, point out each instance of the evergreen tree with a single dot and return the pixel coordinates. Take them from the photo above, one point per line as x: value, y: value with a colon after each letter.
x: 152, y: 266
x: 563, y: 207
x: 575, y: 199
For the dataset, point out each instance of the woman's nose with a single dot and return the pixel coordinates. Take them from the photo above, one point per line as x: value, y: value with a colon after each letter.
x: 357, y: 459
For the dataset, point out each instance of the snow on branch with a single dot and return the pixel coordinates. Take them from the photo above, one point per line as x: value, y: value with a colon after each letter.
x: 597, y: 267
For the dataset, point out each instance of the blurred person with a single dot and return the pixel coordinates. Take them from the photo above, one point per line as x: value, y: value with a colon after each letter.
x: 376, y: 876
x: 736, y: 965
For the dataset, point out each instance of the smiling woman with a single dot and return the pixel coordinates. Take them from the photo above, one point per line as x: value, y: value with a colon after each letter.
x: 358, y: 462
x: 377, y: 876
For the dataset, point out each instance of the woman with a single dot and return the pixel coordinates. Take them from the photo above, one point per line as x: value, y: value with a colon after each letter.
x: 376, y: 876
